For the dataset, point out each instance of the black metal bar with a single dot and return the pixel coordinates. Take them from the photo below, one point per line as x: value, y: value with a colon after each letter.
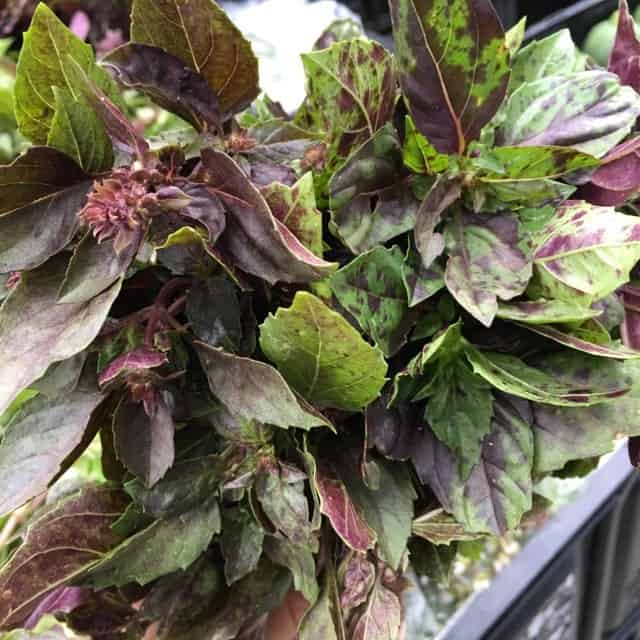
x: 498, y: 608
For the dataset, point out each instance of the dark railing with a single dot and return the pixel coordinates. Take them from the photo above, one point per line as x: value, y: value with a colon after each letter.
x: 578, y: 578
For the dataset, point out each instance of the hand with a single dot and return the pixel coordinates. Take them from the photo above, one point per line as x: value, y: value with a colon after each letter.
x: 284, y: 621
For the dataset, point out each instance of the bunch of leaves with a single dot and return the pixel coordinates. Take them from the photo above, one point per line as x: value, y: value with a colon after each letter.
x: 313, y: 348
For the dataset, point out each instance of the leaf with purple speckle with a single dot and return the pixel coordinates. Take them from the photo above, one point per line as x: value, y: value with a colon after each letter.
x: 586, y: 253
x: 589, y: 111
x: 485, y: 263
x: 454, y: 67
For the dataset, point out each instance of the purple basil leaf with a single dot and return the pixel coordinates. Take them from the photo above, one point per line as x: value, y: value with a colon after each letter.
x: 241, y: 543
x: 567, y: 433
x: 630, y: 329
x: 254, y: 390
x: 33, y: 233
x: 388, y: 510
x: 453, y: 85
x: 499, y: 490
x: 359, y: 576
x: 39, y: 439
x: 205, y: 208
x: 589, y: 111
x: 57, y: 548
x: 442, y: 195
x: 370, y: 201
x: 624, y: 60
x: 265, y: 173
x: 420, y: 283
x: 138, y: 360
x: 61, y: 600
x: 201, y: 34
x: 254, y: 239
x: 93, y: 268
x: 36, y: 331
x: 280, y: 489
x: 37, y: 173
x: 345, y: 518
x: 485, y: 263
x: 117, y: 125
x: 144, y: 443
x: 168, y: 82
x: 613, y: 350
x: 381, y: 619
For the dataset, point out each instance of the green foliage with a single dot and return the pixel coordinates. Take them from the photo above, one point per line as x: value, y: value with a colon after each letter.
x: 306, y: 350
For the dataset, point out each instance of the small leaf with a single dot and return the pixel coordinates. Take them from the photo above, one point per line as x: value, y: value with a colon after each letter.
x: 545, y: 312
x: 624, y: 60
x: 74, y: 131
x: 93, y: 268
x: 58, y: 547
x: 370, y: 202
x: 200, y: 33
x: 357, y: 576
x: 346, y: 520
x: 33, y: 233
x: 39, y: 439
x: 389, y: 510
x: 166, y: 546
x: 485, y: 263
x: 241, y: 542
x: 280, y: 489
x: 454, y: 67
x: 439, y: 527
x: 36, y: 331
x: 420, y: 283
x: 322, y: 356
x: 254, y: 239
x: 318, y: 623
x: 300, y: 562
x: 382, y: 616
x: 499, y: 489
x: 554, y: 55
x: 144, y: 443
x: 586, y: 251
x: 253, y: 390
x: 296, y: 208
x: 589, y: 111
x: 612, y: 350
x: 138, y: 360
x: 371, y: 289
x: 166, y: 80
x: 444, y: 193
x: 351, y: 91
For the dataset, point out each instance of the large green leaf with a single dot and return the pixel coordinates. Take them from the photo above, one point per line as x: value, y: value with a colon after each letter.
x: 165, y: 546
x: 499, y: 490
x: 485, y: 263
x: 546, y: 312
x: 200, y: 33
x: 73, y: 535
x: 351, y: 91
x: 372, y: 290
x: 39, y: 439
x: 454, y: 67
x: 370, y: 200
x: 554, y: 55
x: 589, y: 111
x: 44, y: 117
x: 586, y: 253
x: 36, y: 331
x: 253, y: 390
x: 322, y: 356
